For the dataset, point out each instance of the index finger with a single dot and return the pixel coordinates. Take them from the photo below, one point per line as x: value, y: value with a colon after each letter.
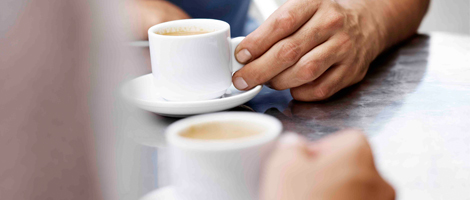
x: 283, y: 22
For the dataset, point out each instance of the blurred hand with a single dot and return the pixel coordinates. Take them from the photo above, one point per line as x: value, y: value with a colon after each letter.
x: 337, y: 167
x: 146, y: 13
x: 314, y: 47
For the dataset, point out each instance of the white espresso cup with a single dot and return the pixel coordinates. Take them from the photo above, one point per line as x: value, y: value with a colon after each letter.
x: 220, y: 169
x: 193, y: 67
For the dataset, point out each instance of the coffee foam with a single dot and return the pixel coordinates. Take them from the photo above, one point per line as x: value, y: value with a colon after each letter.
x: 183, y: 29
x: 225, y: 130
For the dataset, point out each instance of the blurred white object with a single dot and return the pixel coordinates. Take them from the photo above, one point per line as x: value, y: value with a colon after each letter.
x: 266, y: 7
x: 447, y: 16
x: 164, y: 193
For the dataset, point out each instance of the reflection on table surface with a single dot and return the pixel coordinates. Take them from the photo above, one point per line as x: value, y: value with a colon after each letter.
x: 414, y: 103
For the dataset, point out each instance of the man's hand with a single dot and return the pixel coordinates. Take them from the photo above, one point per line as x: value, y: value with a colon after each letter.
x: 318, y: 47
x: 146, y: 13
x: 315, y: 47
x: 338, y: 167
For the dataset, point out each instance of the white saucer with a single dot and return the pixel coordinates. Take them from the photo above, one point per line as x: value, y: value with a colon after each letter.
x: 164, y: 193
x: 142, y: 93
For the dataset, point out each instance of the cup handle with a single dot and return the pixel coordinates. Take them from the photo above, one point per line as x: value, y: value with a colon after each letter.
x: 234, y: 43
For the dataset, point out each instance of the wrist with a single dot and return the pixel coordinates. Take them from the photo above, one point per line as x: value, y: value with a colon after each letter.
x: 371, y: 23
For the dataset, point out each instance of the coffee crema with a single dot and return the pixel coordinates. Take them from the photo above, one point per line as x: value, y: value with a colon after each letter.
x: 222, y: 130
x: 184, y: 33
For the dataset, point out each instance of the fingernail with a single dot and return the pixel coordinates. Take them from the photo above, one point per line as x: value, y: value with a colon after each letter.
x: 243, y: 56
x: 240, y: 83
x: 289, y: 139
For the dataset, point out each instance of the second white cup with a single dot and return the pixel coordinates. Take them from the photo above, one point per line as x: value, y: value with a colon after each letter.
x: 193, y: 67
x: 220, y: 169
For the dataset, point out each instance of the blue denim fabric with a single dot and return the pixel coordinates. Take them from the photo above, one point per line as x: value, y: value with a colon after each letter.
x: 233, y: 12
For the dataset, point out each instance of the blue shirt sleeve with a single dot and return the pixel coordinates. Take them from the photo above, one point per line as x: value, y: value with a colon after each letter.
x: 233, y: 12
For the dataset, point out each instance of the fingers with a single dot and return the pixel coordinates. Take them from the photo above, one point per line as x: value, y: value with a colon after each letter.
x: 311, y: 65
x: 350, y: 147
x: 282, y: 23
x: 293, y: 146
x: 345, y: 143
x: 344, y: 140
x: 287, y: 162
x: 333, y: 80
x: 343, y: 168
x: 286, y: 52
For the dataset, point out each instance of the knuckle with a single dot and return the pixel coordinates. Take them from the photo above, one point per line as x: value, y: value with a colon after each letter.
x: 358, y: 71
x: 258, y: 78
x: 345, y: 40
x: 289, y: 52
x: 309, y: 70
x: 247, y: 42
x: 277, y: 85
x: 252, y: 75
x: 252, y: 41
x: 315, y: 94
x: 286, y: 21
x: 360, y: 76
x: 321, y: 93
x: 298, y: 95
x: 335, y: 19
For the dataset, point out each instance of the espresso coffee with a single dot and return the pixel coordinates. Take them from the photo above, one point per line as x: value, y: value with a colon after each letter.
x: 184, y: 33
x: 222, y: 130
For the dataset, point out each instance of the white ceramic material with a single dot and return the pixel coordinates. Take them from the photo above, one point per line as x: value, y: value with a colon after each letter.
x: 220, y: 169
x: 194, y: 67
x: 142, y: 93
x: 165, y: 193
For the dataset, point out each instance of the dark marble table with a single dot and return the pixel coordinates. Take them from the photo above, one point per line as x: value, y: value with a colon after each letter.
x: 414, y: 104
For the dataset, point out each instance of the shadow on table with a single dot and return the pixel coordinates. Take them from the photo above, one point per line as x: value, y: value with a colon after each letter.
x: 391, y: 77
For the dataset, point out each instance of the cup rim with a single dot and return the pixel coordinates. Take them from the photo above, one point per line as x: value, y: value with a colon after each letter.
x: 151, y: 30
x: 273, y: 130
